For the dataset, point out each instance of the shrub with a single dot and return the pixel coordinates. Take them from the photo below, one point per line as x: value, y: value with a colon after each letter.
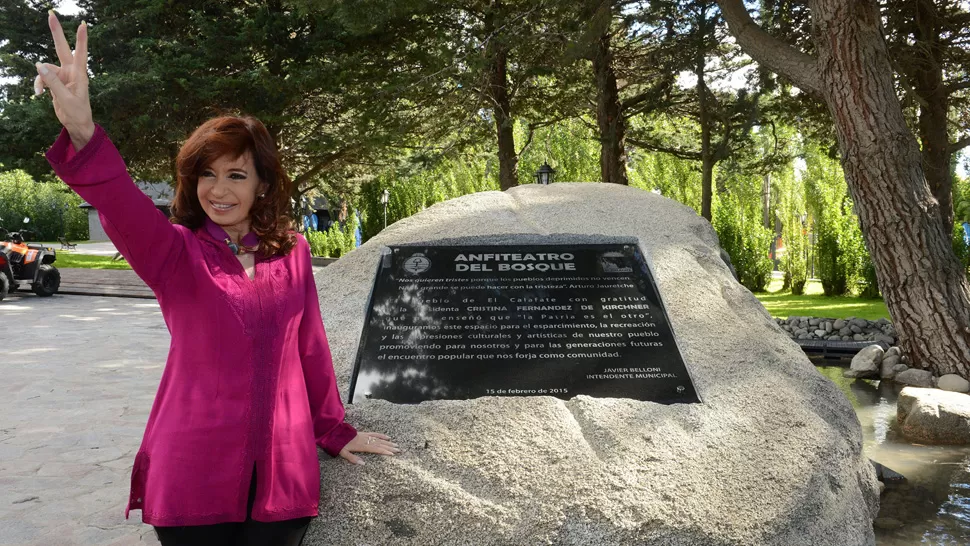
x: 53, y: 208
x: 747, y: 242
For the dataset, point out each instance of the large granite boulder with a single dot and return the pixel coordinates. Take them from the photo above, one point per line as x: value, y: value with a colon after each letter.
x: 772, y: 456
x: 933, y: 416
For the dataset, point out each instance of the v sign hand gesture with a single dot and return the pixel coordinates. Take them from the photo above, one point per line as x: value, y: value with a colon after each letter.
x: 69, y: 83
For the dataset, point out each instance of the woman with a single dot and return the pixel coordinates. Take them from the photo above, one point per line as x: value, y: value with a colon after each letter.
x: 228, y: 455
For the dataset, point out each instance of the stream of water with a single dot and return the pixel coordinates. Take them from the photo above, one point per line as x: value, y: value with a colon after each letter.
x: 933, y: 505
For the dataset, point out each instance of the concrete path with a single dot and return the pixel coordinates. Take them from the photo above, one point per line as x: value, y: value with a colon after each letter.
x: 106, y: 248
x: 79, y: 375
x: 104, y: 282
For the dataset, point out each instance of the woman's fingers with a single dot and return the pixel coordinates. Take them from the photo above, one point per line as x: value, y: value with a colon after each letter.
x: 350, y: 457
x: 51, y: 81
x: 81, y: 51
x: 38, y: 85
x: 60, y: 41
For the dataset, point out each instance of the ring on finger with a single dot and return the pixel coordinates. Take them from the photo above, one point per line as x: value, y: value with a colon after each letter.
x: 370, y: 440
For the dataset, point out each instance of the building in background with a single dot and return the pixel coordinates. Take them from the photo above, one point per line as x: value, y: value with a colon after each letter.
x: 161, y: 193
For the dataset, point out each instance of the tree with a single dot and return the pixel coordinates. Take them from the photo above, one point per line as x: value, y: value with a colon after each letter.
x: 160, y: 69
x: 925, y: 289
x: 721, y: 120
x: 928, y: 44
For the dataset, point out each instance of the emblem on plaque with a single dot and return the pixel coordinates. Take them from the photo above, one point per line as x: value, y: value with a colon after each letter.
x: 417, y: 264
x: 614, y: 262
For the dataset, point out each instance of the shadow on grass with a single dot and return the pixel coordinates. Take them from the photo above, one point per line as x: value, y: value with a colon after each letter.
x: 815, y: 304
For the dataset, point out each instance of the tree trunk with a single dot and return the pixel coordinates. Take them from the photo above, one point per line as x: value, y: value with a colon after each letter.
x: 933, y: 122
x: 498, y: 95
x: 612, y: 126
x: 924, y: 286
x: 766, y: 215
x: 706, y: 120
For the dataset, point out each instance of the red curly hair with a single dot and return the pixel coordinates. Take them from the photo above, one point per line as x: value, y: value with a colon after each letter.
x: 234, y: 136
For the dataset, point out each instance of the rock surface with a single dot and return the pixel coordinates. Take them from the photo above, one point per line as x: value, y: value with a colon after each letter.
x: 866, y: 362
x: 953, y: 383
x: 915, y: 378
x: 932, y: 416
x: 773, y: 456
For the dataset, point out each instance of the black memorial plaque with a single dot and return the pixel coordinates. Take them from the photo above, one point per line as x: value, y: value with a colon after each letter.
x: 459, y: 322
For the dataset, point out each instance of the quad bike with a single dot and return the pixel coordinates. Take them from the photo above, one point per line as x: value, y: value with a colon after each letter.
x: 26, y: 264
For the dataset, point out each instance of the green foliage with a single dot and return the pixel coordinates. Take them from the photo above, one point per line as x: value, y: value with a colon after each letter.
x: 840, y: 252
x: 678, y: 179
x: 336, y: 241
x: 51, y: 206
x: 414, y: 189
x: 961, y: 199
x: 742, y: 235
x: 569, y: 147
x: 870, y: 284
x: 960, y: 247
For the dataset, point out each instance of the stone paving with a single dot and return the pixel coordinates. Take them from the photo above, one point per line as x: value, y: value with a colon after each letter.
x: 78, y: 375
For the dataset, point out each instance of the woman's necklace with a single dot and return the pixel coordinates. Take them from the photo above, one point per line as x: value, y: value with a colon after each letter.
x: 237, y: 249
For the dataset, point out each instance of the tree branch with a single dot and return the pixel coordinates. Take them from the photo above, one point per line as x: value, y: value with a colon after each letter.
x: 321, y: 164
x: 776, y: 55
x: 957, y: 86
x: 653, y: 147
x: 959, y: 145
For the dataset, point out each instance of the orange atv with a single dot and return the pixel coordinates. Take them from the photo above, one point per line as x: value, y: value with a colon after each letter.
x: 30, y: 264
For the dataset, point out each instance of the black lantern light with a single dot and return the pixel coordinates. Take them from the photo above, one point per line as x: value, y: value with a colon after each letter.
x: 545, y: 174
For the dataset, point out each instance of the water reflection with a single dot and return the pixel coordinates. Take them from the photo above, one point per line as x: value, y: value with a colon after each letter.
x: 933, y: 506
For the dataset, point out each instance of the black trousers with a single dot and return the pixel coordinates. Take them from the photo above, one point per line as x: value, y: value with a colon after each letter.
x: 248, y: 533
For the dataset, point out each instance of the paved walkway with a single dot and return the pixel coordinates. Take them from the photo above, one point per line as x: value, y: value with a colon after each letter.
x: 106, y: 248
x: 104, y: 282
x: 79, y: 377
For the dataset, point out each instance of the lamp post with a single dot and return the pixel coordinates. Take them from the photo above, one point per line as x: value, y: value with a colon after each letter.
x: 385, y: 197
x: 545, y: 174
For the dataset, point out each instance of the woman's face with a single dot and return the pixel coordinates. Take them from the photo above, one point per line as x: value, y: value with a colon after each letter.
x: 227, y: 189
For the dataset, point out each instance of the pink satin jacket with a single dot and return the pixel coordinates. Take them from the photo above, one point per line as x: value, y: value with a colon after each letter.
x: 249, y: 379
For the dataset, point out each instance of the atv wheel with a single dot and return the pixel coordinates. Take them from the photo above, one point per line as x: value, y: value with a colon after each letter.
x: 48, y: 281
x: 4, y: 285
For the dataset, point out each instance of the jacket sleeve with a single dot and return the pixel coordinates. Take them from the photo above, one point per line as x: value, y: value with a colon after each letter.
x: 140, y: 231
x: 329, y: 428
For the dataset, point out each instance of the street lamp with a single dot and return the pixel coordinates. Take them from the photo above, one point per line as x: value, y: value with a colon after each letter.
x: 385, y: 197
x: 545, y: 174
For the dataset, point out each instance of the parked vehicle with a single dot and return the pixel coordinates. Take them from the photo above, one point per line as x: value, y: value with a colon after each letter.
x: 26, y: 265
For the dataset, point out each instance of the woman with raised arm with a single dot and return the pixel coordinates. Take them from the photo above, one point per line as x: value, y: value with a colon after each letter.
x: 228, y: 456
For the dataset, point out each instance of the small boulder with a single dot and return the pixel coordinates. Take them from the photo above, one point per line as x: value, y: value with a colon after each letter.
x: 915, y: 378
x: 934, y: 417
x: 953, y: 383
x: 819, y: 333
x: 886, y: 370
x: 839, y: 324
x: 898, y: 368
x: 866, y: 362
x: 884, y: 338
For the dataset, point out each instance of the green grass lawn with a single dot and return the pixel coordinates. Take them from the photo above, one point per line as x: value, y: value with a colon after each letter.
x: 66, y: 259
x: 815, y: 304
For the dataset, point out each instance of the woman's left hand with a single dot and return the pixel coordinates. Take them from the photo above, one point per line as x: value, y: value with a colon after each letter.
x: 368, y: 442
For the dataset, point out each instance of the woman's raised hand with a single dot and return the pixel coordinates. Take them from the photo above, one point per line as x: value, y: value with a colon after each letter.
x: 69, y: 83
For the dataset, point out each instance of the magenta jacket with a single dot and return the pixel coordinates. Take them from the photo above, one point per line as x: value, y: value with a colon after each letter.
x: 249, y: 379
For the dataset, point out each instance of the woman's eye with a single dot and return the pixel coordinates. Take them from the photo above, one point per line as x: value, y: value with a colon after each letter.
x: 206, y: 173
x: 237, y: 176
